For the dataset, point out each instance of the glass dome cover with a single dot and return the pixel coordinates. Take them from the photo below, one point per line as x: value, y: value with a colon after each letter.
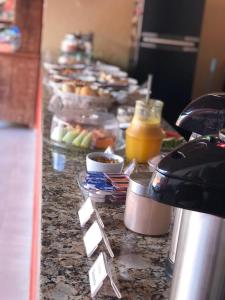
x: 91, y: 130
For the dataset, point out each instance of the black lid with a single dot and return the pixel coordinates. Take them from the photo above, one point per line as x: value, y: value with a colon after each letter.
x: 200, y: 161
x: 205, y: 115
x: 193, y: 177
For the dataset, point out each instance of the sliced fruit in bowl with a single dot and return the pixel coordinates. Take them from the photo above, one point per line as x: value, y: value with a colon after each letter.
x: 171, y: 140
x: 71, y: 135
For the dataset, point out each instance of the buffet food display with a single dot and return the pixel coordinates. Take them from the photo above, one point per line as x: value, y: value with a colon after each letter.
x: 81, y: 97
x: 82, y: 92
x: 94, y: 85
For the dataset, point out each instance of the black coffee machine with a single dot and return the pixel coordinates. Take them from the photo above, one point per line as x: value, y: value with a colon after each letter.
x: 192, y: 177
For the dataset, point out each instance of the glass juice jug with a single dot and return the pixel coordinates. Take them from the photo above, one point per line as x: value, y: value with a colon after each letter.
x: 144, y: 135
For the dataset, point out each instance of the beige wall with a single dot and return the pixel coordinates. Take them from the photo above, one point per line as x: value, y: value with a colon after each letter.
x: 212, y: 45
x: 110, y: 20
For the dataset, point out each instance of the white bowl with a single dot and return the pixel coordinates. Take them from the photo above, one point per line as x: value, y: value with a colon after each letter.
x: 96, y: 166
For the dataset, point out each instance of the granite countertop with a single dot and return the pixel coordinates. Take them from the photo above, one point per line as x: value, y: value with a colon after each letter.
x: 139, y: 262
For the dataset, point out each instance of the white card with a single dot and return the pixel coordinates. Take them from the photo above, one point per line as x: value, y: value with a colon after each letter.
x: 107, y: 244
x: 97, y: 274
x: 86, y: 211
x: 92, y: 238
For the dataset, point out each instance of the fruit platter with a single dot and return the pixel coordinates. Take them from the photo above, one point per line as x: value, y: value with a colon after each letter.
x: 171, y: 140
x: 91, y: 131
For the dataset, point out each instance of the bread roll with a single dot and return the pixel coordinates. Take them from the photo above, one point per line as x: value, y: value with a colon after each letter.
x: 77, y: 90
x: 87, y: 91
x: 68, y: 87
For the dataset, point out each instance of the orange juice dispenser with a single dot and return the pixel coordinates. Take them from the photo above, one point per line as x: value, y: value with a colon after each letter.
x: 144, y: 135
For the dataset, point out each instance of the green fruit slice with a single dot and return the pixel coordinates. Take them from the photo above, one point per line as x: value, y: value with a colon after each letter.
x: 77, y: 141
x: 70, y: 136
x: 168, y: 142
x: 58, y: 133
x: 86, y: 142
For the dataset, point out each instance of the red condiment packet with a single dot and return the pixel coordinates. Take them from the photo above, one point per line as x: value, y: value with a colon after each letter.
x: 120, y: 186
x: 117, y: 178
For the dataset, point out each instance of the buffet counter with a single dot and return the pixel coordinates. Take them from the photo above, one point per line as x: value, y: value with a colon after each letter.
x: 139, y: 262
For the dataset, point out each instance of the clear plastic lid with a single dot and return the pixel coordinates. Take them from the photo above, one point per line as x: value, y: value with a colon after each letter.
x: 92, y: 118
x: 94, y: 130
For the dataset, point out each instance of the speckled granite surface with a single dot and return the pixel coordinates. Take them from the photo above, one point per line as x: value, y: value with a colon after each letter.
x: 139, y: 263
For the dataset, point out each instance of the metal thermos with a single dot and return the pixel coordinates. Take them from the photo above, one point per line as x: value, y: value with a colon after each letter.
x: 202, y: 116
x: 174, y: 241
x: 192, y: 178
x: 176, y: 230
x: 199, y: 272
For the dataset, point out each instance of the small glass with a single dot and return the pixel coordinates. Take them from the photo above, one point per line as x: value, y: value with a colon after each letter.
x: 125, y: 114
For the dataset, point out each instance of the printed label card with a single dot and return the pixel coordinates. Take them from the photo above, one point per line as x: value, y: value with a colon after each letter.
x: 93, y: 237
x: 86, y: 211
x: 98, y: 273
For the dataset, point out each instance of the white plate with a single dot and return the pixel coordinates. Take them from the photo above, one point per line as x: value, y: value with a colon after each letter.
x: 124, y: 126
x: 120, y: 74
x: 78, y: 66
x: 143, y: 92
x: 50, y: 66
x: 118, y: 147
x: 87, y: 78
x: 59, y: 77
x: 132, y: 89
x: 132, y: 81
x: 107, y: 68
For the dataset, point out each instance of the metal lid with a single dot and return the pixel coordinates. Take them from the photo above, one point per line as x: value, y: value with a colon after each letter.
x: 139, y: 183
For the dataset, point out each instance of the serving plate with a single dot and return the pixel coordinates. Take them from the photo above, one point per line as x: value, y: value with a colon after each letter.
x: 120, y: 145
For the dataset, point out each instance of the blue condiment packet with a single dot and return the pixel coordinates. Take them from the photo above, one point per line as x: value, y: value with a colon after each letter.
x: 97, y: 180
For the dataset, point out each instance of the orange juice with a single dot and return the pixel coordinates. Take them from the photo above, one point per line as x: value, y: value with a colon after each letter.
x: 144, y: 135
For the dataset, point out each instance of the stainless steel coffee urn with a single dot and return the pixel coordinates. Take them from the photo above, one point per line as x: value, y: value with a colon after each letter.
x: 192, y: 177
x: 203, y: 116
